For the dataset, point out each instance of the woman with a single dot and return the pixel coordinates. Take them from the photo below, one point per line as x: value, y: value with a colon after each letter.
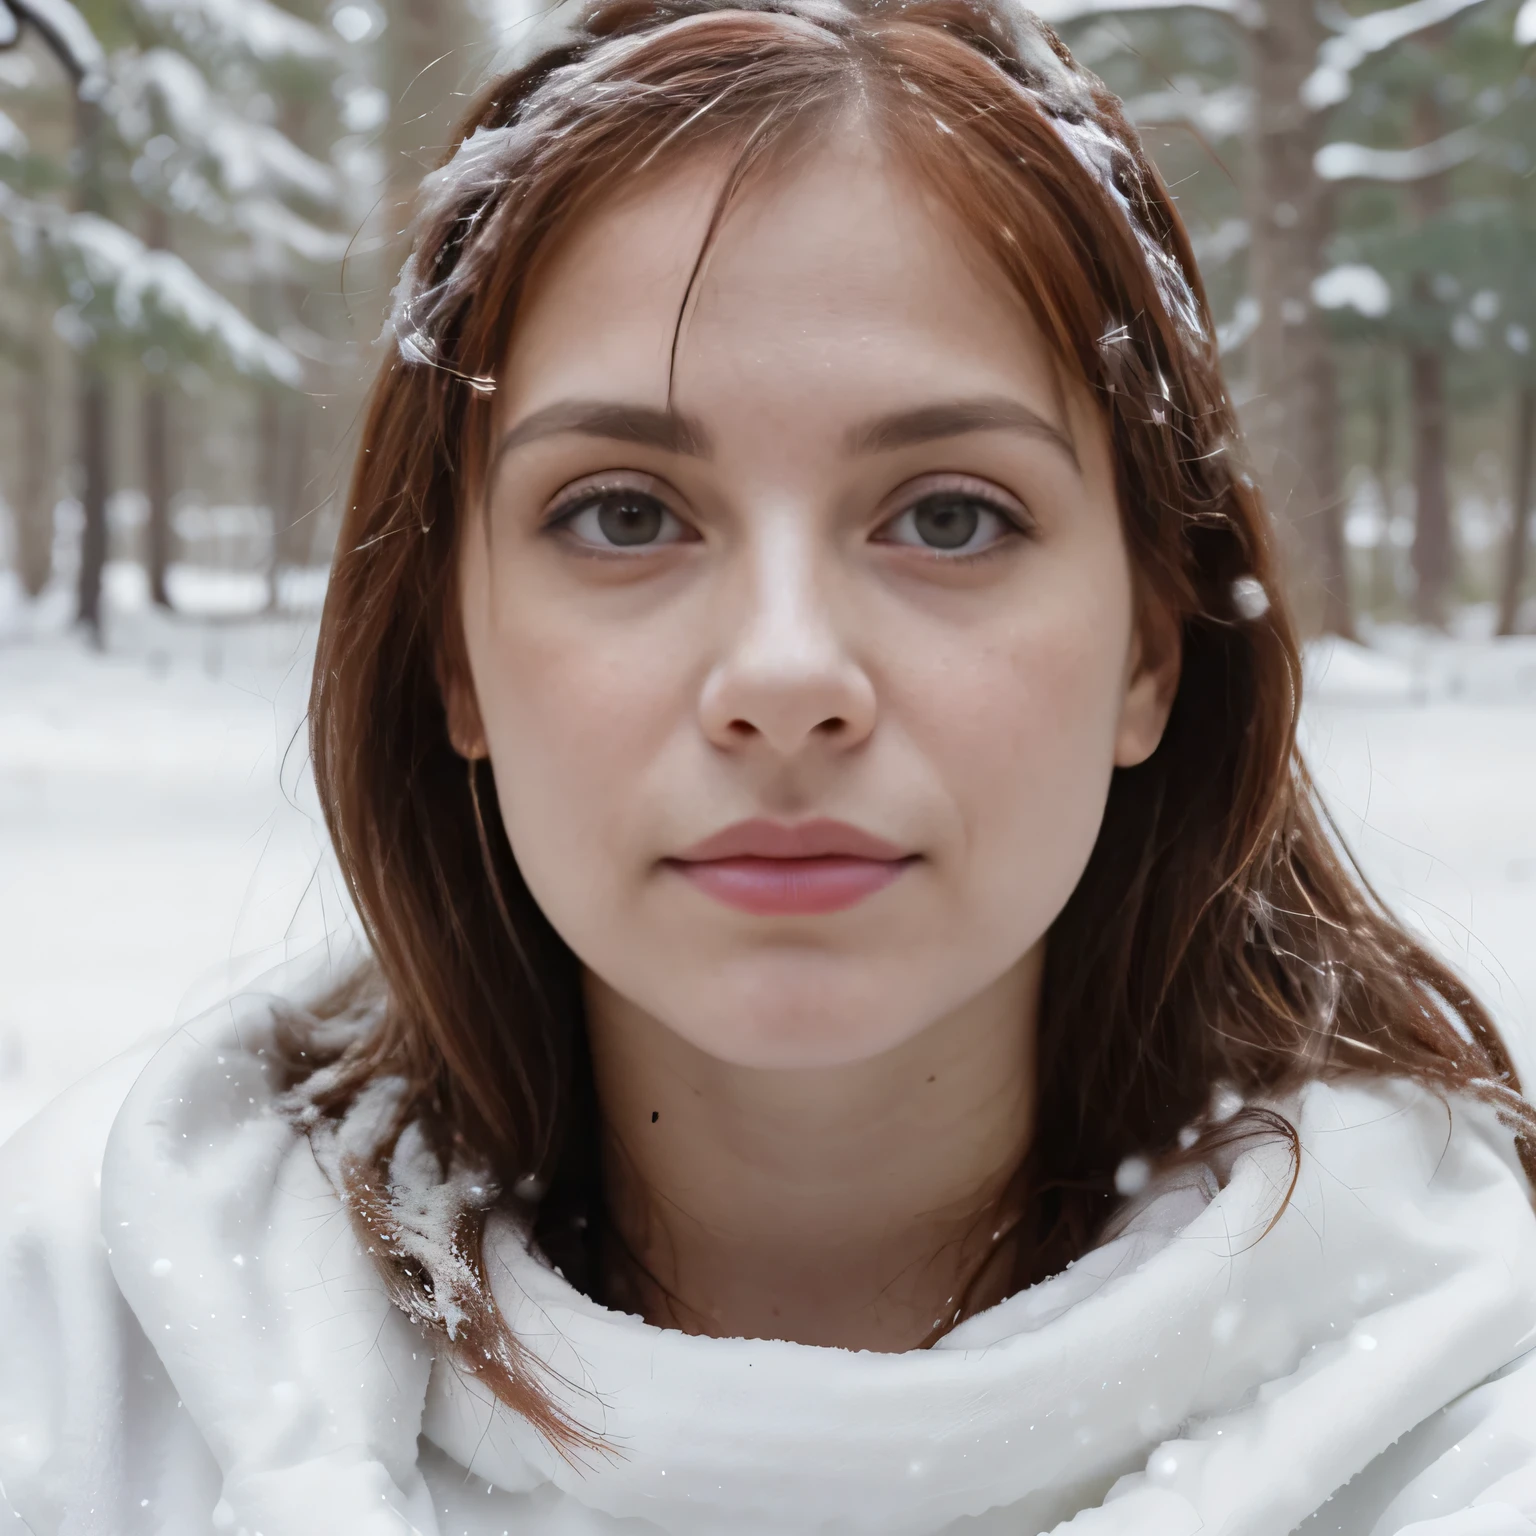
x: 866, y: 1028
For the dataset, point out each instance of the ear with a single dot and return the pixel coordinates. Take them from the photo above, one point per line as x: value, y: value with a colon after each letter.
x: 466, y: 732
x: 1153, y: 664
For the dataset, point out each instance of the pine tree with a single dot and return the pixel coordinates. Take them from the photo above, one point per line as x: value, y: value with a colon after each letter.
x: 176, y: 143
x: 1302, y: 67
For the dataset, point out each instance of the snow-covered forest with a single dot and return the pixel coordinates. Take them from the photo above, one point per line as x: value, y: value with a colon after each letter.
x: 201, y: 206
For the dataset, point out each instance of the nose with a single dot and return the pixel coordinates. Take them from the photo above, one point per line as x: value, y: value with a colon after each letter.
x: 786, y: 678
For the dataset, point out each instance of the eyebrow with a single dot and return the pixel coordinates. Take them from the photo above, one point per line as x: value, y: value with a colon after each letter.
x: 621, y: 423
x: 674, y: 432
x: 954, y: 418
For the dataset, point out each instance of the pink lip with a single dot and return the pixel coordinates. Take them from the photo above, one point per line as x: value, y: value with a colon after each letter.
x: 767, y: 868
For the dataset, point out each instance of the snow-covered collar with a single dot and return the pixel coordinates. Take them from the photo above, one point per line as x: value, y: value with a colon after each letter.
x: 1203, y: 1373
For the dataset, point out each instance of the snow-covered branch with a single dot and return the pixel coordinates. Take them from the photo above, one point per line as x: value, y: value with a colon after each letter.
x: 1214, y: 247
x: 1353, y: 286
x: 1239, y: 330
x: 273, y: 228
x: 13, y: 142
x: 68, y: 35
x: 1370, y: 34
x: 1248, y: 12
x: 146, y: 284
x: 1359, y: 162
x: 1217, y: 114
x: 250, y: 156
x: 256, y: 27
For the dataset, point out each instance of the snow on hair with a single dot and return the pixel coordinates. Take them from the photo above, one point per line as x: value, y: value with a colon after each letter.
x: 1106, y: 159
x: 468, y: 191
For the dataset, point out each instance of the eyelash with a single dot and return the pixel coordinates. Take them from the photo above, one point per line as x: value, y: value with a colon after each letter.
x: 572, y: 502
x: 1016, y: 523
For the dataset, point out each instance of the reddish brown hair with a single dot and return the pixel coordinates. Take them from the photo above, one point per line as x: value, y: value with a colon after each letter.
x: 1219, y: 936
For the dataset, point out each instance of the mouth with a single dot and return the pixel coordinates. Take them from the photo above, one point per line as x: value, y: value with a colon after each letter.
x: 772, y: 869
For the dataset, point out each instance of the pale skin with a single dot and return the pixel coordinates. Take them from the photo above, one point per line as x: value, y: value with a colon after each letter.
x: 811, y: 1118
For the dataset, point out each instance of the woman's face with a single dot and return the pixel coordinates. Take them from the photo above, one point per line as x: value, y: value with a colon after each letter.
x: 859, y: 583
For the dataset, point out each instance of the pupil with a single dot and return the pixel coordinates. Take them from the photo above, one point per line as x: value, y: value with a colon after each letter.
x: 946, y: 522
x: 629, y: 520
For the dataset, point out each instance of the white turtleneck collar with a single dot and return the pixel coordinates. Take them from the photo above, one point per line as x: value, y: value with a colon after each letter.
x: 1203, y: 1372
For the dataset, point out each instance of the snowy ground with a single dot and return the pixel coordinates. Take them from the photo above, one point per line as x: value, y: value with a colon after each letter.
x: 1426, y: 751
x: 158, y: 840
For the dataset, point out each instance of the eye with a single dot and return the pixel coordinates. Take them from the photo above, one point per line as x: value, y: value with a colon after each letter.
x: 951, y: 522
x: 618, y: 517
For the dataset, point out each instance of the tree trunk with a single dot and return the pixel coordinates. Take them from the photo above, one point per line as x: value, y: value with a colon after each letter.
x: 95, y: 429
x: 155, y: 424
x: 34, y: 510
x: 283, y: 480
x: 157, y: 488
x: 1519, y: 510
x: 1321, y: 426
x: 292, y: 528
x: 1433, y: 549
x: 272, y: 478
x: 296, y: 537
x: 1295, y: 417
x: 1383, y: 585
x: 94, y: 450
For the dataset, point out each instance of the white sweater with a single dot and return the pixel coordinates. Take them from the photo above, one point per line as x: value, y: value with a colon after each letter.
x: 192, y: 1342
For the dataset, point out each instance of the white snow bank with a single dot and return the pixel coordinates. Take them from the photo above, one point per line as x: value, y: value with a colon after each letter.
x: 1341, y: 672
x: 157, y: 825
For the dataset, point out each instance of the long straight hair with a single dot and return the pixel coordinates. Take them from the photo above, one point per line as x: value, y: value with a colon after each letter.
x: 1220, y: 940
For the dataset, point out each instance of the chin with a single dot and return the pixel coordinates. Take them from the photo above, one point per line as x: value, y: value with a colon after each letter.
x: 800, y: 1023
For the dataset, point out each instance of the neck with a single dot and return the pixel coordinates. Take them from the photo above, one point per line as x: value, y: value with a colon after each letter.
x: 856, y: 1205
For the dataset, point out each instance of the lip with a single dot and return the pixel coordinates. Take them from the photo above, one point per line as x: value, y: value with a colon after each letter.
x: 769, y: 868
x: 819, y: 839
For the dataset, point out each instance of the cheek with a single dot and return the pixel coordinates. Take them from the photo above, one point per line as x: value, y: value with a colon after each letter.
x: 1023, y: 728
x: 574, y: 720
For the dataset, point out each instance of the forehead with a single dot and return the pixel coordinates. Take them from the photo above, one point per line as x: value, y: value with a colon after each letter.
x: 836, y: 278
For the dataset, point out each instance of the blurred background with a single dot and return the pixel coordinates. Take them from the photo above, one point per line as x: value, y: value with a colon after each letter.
x: 201, y: 214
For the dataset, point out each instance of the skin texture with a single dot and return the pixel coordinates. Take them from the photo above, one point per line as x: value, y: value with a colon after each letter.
x: 811, y: 1117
